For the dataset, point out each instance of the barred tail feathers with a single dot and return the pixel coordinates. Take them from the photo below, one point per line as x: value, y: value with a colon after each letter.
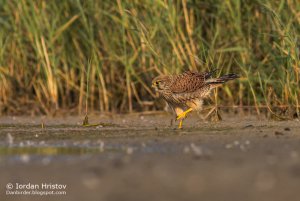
x: 215, y: 82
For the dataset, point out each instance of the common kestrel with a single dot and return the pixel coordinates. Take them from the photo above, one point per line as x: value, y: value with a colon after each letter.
x: 185, y: 92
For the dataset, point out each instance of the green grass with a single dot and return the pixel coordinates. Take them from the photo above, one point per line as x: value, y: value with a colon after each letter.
x: 53, y: 52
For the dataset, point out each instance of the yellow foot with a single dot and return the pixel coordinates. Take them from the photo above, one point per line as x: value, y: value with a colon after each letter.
x: 183, y: 115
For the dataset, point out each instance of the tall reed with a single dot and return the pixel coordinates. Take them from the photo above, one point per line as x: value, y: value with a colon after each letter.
x: 48, y: 47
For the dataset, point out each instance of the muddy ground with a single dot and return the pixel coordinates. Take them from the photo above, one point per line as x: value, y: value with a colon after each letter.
x: 140, y: 157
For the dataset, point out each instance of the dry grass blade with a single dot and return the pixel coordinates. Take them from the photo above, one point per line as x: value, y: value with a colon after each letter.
x: 45, y: 47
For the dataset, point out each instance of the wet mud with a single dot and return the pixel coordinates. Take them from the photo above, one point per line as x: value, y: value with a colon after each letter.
x: 143, y: 157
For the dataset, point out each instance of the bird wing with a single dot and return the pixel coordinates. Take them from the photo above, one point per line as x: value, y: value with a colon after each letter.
x: 189, y: 81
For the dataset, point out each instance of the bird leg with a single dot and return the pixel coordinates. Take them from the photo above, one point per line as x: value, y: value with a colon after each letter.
x: 182, y: 116
x: 180, y: 124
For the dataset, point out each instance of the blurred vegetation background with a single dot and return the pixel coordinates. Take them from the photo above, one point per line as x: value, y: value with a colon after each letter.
x: 102, y: 55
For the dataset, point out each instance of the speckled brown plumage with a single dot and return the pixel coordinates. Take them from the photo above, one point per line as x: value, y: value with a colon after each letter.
x: 186, y: 91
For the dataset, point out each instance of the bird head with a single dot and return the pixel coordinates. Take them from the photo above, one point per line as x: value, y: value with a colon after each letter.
x: 160, y: 82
